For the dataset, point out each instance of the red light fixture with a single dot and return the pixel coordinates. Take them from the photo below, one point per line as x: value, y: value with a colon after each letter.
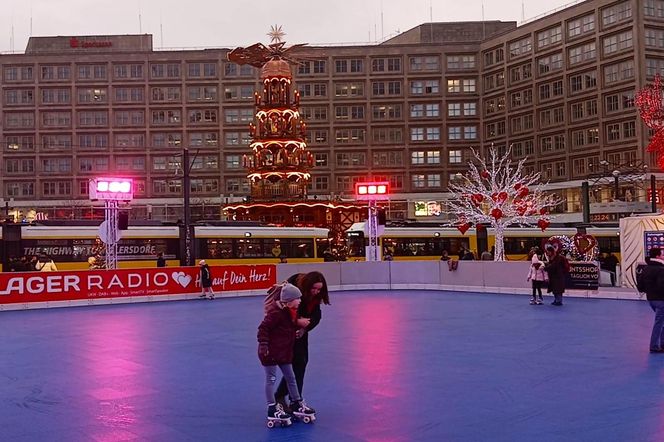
x: 379, y: 190
x: 117, y: 189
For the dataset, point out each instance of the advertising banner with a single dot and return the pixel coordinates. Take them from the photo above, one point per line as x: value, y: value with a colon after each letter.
x: 583, y: 276
x: 23, y: 287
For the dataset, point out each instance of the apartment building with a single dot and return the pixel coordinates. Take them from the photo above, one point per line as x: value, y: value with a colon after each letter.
x: 559, y: 90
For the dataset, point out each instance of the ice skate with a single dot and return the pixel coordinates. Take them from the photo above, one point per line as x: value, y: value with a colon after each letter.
x: 540, y: 301
x: 277, y: 416
x: 302, y: 411
x: 532, y: 301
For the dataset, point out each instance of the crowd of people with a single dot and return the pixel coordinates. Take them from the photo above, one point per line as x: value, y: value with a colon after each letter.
x: 42, y: 263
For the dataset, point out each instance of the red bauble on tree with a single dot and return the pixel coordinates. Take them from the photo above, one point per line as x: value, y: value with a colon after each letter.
x: 463, y: 228
x: 485, y: 174
x: 543, y: 224
x: 497, y: 213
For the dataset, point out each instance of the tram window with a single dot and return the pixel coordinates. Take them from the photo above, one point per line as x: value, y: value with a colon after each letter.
x: 520, y: 245
x: 274, y: 248
x: 249, y: 248
x: 301, y: 248
x: 608, y: 244
x: 220, y: 248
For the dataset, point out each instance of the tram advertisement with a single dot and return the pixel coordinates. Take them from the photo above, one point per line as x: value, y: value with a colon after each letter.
x: 25, y: 287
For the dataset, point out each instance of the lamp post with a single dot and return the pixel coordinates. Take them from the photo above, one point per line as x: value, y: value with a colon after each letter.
x: 186, y: 190
x: 616, y: 184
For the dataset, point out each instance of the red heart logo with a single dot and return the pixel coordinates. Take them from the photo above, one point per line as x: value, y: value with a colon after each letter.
x: 584, y: 243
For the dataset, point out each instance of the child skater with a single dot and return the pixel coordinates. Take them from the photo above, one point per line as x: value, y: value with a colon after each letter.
x: 538, y: 276
x: 276, y: 339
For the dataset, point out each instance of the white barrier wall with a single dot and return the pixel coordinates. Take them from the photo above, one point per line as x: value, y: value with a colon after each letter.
x: 470, y: 276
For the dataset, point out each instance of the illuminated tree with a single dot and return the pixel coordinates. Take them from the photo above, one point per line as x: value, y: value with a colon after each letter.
x: 495, y: 192
x: 651, y: 109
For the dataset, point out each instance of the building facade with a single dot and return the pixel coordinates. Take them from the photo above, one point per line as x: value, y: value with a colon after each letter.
x: 559, y: 90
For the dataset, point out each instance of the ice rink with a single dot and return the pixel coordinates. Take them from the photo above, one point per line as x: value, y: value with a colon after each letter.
x: 384, y: 366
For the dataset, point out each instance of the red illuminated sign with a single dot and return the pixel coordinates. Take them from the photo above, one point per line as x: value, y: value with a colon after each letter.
x: 378, y: 190
x: 74, y: 42
x: 116, y: 189
x: 20, y: 287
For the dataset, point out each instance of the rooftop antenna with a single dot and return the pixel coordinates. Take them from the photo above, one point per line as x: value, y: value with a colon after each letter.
x: 523, y: 11
x: 11, y: 40
x: 140, y: 23
x: 431, y: 21
x: 30, y: 18
x: 161, y: 32
x: 382, y: 28
x: 483, y: 24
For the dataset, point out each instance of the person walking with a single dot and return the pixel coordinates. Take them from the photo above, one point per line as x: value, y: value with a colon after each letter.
x: 651, y: 281
x: 276, y: 340
x: 557, y: 268
x: 161, y: 262
x: 538, y: 277
x: 46, y: 264
x: 314, y: 292
x: 206, y: 280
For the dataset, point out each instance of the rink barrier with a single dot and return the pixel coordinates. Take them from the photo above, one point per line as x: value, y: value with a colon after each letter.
x: 470, y: 276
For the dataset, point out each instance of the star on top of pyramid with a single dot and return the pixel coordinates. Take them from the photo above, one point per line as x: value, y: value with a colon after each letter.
x: 276, y: 34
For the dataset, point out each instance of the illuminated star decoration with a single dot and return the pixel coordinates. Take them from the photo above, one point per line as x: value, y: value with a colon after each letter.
x: 651, y: 109
x: 276, y: 34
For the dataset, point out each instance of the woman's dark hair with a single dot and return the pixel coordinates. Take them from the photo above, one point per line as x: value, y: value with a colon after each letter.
x: 307, y: 280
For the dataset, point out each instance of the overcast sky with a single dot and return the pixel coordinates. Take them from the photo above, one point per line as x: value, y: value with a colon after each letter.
x: 229, y: 23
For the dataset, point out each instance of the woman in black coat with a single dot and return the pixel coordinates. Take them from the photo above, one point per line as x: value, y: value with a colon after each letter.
x: 314, y: 292
x: 557, y: 267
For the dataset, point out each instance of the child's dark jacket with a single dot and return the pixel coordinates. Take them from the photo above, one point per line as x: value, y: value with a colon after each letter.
x: 277, y: 331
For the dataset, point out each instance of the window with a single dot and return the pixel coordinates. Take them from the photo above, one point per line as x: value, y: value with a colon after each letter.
x: 386, y: 65
x: 93, y: 141
x: 351, y: 159
x: 467, y: 85
x: 655, y: 38
x: 164, y: 94
x: 387, y: 135
x: 388, y: 159
x: 549, y: 37
x: 312, y: 67
x: 21, y: 143
x: 56, y: 119
x: 312, y: 89
x: 386, y: 111
x: 520, y: 47
x: 581, y: 26
x: 320, y: 159
x: 350, y: 136
x: 425, y: 63
x: 616, y: 13
x: 165, y: 70
x: 454, y: 156
x: 520, y: 73
x: 56, y: 96
x: 583, y: 82
x: 618, y: 72
x: 349, y: 90
x: 417, y: 158
x: 386, y: 88
x: 355, y: 65
x: 424, y: 87
x: 129, y: 95
x: 461, y: 62
x: 617, y: 42
x: 653, y: 8
x: 585, y: 137
x: 202, y: 116
x: 91, y: 95
x: 582, y: 53
x: 550, y: 63
x: 204, y: 93
x: 19, y: 120
x: 168, y: 139
x: 56, y: 142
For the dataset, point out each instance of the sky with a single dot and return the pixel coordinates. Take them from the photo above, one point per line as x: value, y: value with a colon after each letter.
x: 230, y: 23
